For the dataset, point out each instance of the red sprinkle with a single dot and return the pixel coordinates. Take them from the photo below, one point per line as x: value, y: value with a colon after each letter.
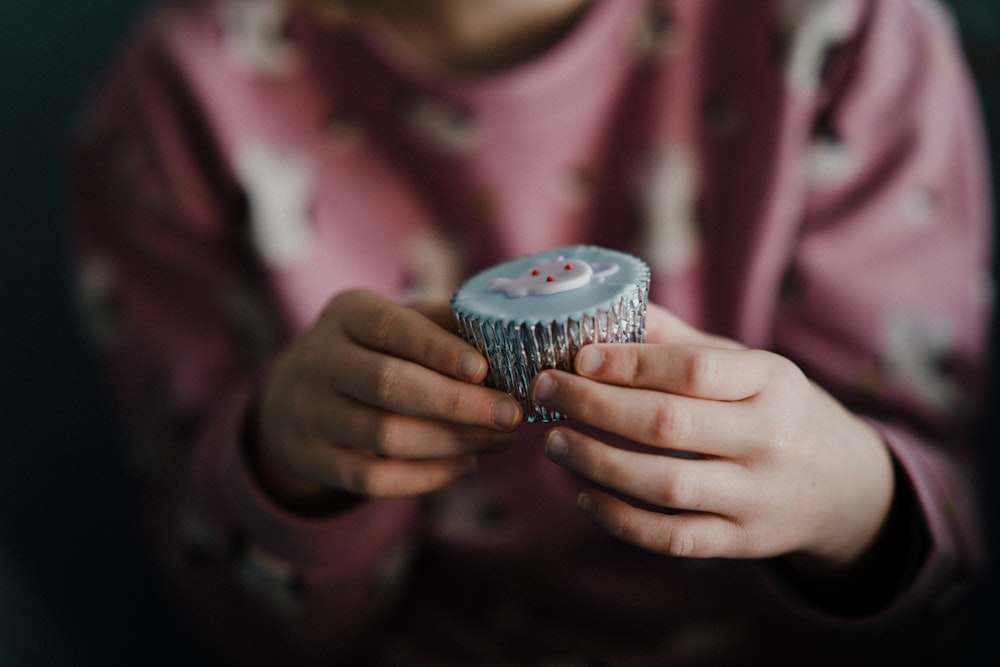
x: 535, y: 272
x: 568, y: 267
x: 550, y: 279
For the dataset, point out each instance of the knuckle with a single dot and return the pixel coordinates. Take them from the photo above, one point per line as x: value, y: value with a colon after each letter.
x: 633, y: 367
x: 702, y: 370
x: 667, y: 537
x: 680, y: 542
x: 785, y: 375
x: 779, y: 443
x: 744, y: 542
x: 432, y: 351
x: 385, y: 378
x: 453, y: 401
x: 670, y: 424
x: 678, y: 492
x: 598, y: 464
x: 626, y: 530
x: 383, y: 440
x: 684, y: 544
x: 383, y: 323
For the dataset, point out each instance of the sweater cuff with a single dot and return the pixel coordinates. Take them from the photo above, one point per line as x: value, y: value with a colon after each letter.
x: 933, y: 542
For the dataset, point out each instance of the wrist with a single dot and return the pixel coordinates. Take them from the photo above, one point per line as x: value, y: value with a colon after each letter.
x: 872, y: 579
x: 865, y: 492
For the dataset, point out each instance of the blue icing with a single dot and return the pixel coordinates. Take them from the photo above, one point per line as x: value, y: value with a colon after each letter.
x: 475, y: 298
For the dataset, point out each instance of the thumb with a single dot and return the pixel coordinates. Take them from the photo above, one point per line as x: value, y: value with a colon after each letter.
x: 662, y: 326
x: 437, y: 312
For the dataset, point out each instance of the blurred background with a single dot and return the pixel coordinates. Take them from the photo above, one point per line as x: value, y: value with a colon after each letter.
x: 75, y: 588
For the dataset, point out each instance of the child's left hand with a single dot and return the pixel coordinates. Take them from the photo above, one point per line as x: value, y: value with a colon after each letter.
x: 781, y: 466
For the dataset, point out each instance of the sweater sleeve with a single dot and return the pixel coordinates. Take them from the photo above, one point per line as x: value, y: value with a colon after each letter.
x: 183, y: 322
x: 886, y: 301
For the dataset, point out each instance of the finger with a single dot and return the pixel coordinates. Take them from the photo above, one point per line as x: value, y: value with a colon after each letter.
x: 666, y: 421
x: 716, y: 486
x: 383, y: 433
x: 382, y: 325
x: 410, y: 389
x: 372, y: 476
x: 686, y: 535
x: 662, y: 326
x: 439, y: 313
x: 690, y: 370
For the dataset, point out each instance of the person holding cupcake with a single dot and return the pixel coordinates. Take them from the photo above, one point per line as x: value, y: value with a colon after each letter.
x: 618, y: 332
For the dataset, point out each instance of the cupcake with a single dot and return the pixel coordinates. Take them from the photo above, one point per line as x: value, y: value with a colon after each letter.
x: 537, y: 311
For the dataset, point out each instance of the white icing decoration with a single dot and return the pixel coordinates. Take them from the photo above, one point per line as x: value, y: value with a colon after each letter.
x: 552, y: 277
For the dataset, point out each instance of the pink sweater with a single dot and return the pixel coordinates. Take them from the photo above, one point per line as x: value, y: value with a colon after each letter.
x: 806, y: 177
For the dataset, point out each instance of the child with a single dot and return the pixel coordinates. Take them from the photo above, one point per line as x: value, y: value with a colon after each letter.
x: 275, y: 200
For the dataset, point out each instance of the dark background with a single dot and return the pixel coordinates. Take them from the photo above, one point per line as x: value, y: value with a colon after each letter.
x: 74, y: 584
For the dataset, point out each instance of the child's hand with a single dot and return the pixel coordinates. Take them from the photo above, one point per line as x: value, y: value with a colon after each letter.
x: 375, y: 400
x: 781, y: 466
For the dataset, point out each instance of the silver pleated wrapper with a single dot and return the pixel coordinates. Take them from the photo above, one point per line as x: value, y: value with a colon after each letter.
x: 518, y: 351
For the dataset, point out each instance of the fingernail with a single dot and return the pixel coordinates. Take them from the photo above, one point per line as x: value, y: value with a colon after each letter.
x: 585, y: 503
x: 544, y: 388
x: 556, y: 446
x: 470, y: 364
x: 589, y: 360
x: 506, y: 413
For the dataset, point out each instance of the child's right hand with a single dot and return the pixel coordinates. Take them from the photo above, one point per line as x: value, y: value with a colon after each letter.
x: 375, y: 400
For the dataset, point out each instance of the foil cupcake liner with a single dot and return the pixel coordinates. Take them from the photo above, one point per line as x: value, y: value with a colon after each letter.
x: 518, y: 351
